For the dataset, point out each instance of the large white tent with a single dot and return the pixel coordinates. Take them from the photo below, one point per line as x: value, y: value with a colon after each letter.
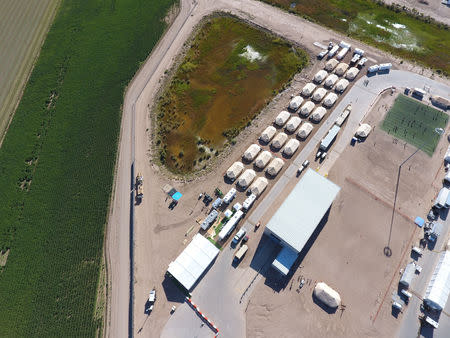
x: 279, y: 140
x: 295, y: 103
x: 318, y: 114
x: 319, y: 93
x: 246, y: 178
x: 363, y: 130
x: 291, y: 147
x: 308, y: 89
x: 293, y: 123
x: 341, y: 85
x: 331, y: 80
x: 259, y: 186
x: 262, y: 159
x: 331, y: 64
x: 327, y: 295
x: 330, y: 99
x: 341, y: 68
x: 438, y: 289
x: 193, y: 261
x: 268, y: 134
x: 307, y: 108
x: 320, y: 76
x: 251, y: 152
x: 351, y: 73
x: 235, y: 170
x: 275, y: 166
x: 305, y: 130
x: 282, y: 117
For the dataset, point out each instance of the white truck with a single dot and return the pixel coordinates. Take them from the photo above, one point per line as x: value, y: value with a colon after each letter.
x: 249, y: 202
x: 230, y: 195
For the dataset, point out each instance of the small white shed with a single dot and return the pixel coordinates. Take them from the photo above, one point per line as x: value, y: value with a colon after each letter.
x: 319, y: 93
x: 293, y: 123
x: 305, y: 130
x: 282, y: 117
x: 252, y: 152
x: 330, y: 99
x: 279, y: 140
x: 246, y: 178
x: 320, y: 76
x: 275, y: 166
x: 259, y: 186
x: 235, y: 170
x: 295, y: 103
x: 307, y: 108
x: 291, y: 147
x: 363, y: 130
x: 327, y: 295
x: 268, y: 134
x: 331, y: 80
x: 318, y: 114
x: 341, y: 68
x: 341, y: 85
x: 262, y: 159
x: 331, y: 64
x: 308, y: 89
x: 351, y: 73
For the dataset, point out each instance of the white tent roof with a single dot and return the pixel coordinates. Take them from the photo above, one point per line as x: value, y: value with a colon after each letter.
x: 267, y: 134
x: 275, y: 166
x: 308, y: 89
x: 305, y: 130
x: 327, y: 295
x: 341, y: 68
x: 330, y: 99
x: 291, y: 147
x: 235, y: 169
x: 319, y: 93
x: 341, y: 85
x: 282, y: 117
x: 295, y: 102
x: 263, y: 159
x: 331, y: 64
x: 320, y: 76
x: 307, y: 108
x: 318, y: 113
x: 193, y: 261
x: 363, y: 130
x: 293, y: 123
x: 351, y: 73
x: 279, y: 140
x: 331, y: 80
x: 251, y: 152
x: 259, y: 186
x: 246, y: 178
x: 438, y: 289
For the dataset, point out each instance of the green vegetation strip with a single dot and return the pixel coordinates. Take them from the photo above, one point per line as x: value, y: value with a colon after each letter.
x: 229, y: 73
x: 57, y: 163
x: 389, y: 27
x: 415, y: 123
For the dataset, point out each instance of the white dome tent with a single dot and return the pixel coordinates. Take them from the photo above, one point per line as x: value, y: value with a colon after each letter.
x: 259, y: 186
x: 293, y: 123
x: 331, y: 80
x: 262, y: 159
x: 282, y: 117
x: 252, y: 152
x: 341, y: 69
x: 351, y: 73
x: 341, y: 85
x: 308, y: 89
x: 330, y: 99
x: 320, y: 76
x: 331, y: 64
x: 363, y: 130
x: 305, y: 130
x: 291, y: 147
x: 268, y: 134
x: 318, y: 114
x: 319, y: 93
x: 246, y: 178
x: 327, y: 295
x: 235, y: 170
x: 275, y: 166
x: 279, y: 140
x: 295, y: 103
x: 307, y: 108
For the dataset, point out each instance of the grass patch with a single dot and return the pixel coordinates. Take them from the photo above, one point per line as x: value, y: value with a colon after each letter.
x: 217, y: 245
x: 415, y: 123
x: 229, y: 73
x: 57, y: 162
x: 393, y: 28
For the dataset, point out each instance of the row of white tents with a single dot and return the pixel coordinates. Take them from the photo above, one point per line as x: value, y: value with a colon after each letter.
x: 244, y: 179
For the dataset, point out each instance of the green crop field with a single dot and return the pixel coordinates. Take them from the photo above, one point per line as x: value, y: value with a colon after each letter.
x: 57, y: 164
x: 415, y: 123
x: 229, y: 73
x: 386, y: 27
x: 23, y: 24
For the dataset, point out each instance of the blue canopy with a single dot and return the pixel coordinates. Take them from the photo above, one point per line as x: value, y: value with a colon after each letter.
x: 419, y: 221
x: 177, y: 196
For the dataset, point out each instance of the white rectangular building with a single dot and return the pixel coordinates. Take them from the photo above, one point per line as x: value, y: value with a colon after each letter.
x: 438, y: 288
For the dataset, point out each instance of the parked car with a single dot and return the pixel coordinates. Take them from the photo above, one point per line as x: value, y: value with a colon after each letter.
x: 300, y: 170
x: 305, y: 164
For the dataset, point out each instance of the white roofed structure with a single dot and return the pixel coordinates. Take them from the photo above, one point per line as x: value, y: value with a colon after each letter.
x: 320, y: 76
x: 351, y: 73
x: 341, y: 68
x: 263, y: 159
x: 268, y: 134
x: 275, y: 166
x: 305, y: 130
x: 330, y: 80
x: 318, y: 94
x: 330, y: 99
x: 307, y: 108
x: 295, y: 103
x: 331, y: 64
x: 235, y: 170
x: 259, y: 186
x: 291, y: 147
x: 363, y: 130
x: 327, y: 295
x: 438, y: 289
x: 193, y: 261
x: 246, y: 178
x: 308, y: 89
x: 341, y: 85
x: 282, y: 117
x: 293, y: 123
x: 252, y: 152
x: 318, y: 114
x: 279, y: 140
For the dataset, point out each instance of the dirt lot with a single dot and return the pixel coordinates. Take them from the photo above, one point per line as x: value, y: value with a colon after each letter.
x: 434, y: 8
x: 348, y: 252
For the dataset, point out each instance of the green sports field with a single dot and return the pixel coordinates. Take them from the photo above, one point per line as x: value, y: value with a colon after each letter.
x: 415, y: 123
